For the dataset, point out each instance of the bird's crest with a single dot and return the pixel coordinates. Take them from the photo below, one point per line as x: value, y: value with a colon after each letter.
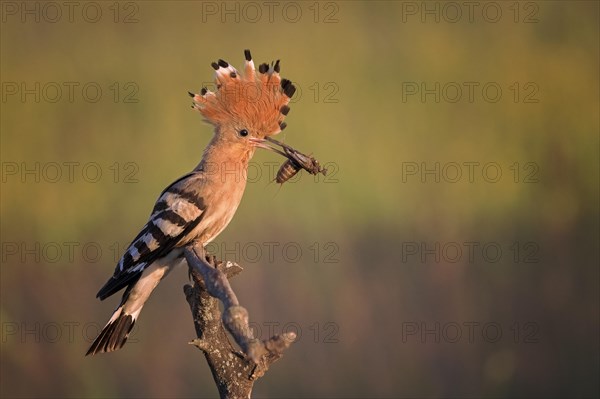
x: 258, y: 98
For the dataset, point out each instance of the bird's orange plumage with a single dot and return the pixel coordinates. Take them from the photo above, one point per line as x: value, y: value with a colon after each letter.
x: 257, y: 100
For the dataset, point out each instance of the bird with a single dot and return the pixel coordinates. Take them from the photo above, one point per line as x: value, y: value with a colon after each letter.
x: 243, y: 110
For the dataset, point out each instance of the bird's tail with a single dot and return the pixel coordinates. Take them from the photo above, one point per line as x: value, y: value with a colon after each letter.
x: 115, y: 333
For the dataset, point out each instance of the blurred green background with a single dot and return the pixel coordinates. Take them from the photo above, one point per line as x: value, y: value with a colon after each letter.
x: 400, y: 284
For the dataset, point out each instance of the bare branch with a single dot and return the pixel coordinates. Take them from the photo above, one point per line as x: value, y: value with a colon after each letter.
x: 234, y: 372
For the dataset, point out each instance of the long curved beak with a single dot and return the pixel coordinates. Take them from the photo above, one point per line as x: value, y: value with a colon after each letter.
x: 306, y: 162
x: 262, y: 143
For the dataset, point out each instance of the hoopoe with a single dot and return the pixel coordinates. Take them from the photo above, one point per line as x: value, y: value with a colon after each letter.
x: 244, y: 110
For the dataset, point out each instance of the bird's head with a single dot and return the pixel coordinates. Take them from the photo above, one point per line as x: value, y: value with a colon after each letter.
x: 245, y: 108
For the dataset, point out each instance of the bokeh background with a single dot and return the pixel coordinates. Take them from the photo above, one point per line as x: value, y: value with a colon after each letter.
x: 404, y: 274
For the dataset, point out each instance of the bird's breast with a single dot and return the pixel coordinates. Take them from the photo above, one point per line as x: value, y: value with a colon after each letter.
x: 220, y: 209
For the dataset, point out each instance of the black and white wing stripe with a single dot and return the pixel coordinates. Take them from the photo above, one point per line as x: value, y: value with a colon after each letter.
x: 176, y: 213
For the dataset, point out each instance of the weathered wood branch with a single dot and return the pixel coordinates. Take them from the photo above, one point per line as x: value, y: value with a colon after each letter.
x: 234, y: 371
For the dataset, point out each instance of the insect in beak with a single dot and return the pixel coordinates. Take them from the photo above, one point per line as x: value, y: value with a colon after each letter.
x: 296, y: 159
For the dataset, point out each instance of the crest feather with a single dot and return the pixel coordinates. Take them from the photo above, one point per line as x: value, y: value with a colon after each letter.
x: 259, y: 99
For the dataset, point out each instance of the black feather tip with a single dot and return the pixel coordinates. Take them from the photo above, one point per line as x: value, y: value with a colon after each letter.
x: 247, y: 55
x: 288, y: 88
x: 223, y: 64
x: 215, y: 65
x: 263, y: 68
x: 276, y: 67
x: 284, y: 110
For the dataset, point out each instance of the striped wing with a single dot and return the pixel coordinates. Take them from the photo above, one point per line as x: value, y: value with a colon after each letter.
x: 176, y: 213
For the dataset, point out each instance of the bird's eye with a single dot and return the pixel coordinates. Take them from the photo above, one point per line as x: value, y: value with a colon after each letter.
x: 243, y: 132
